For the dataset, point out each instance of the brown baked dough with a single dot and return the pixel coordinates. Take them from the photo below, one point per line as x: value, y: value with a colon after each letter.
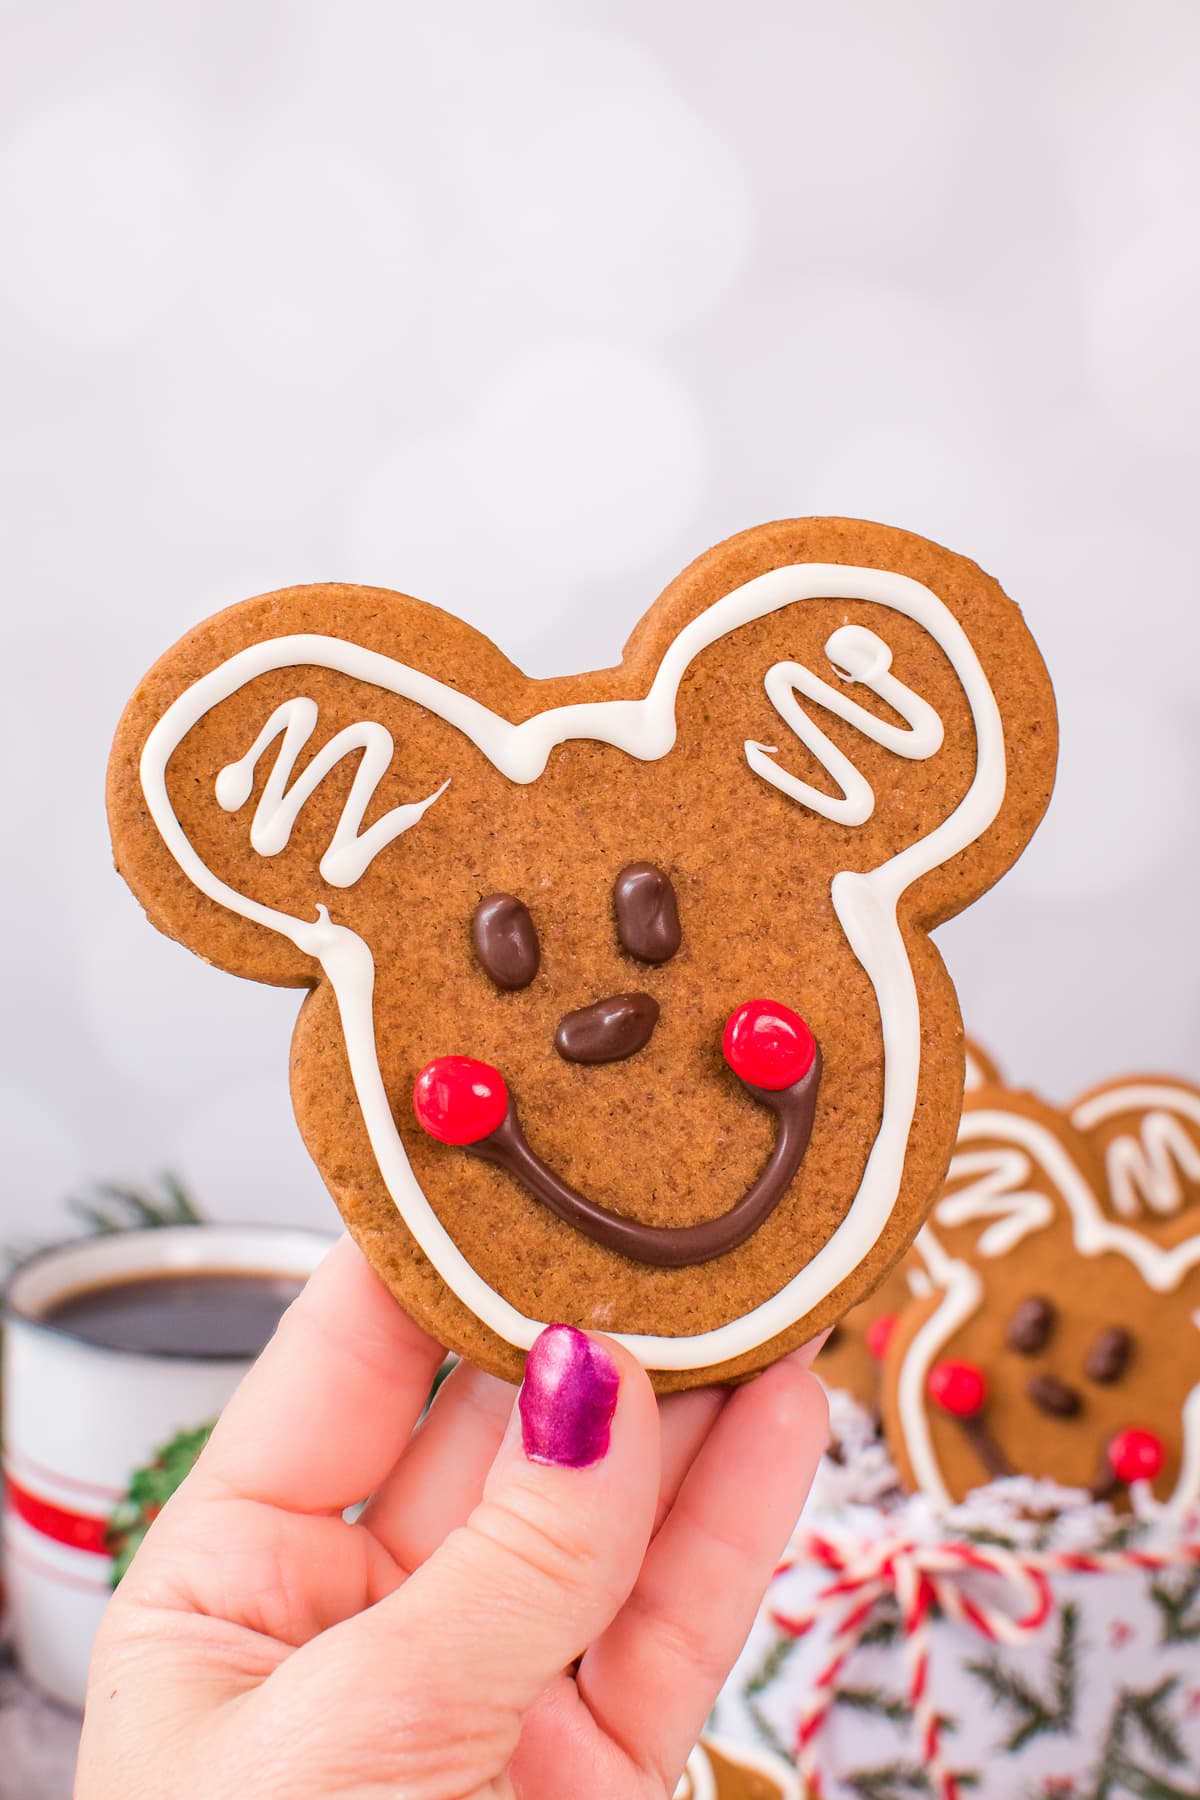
x: 667, y: 1135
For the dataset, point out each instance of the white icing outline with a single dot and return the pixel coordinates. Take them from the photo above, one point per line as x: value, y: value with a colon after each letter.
x: 865, y: 904
x: 1039, y: 1153
x: 1151, y: 1162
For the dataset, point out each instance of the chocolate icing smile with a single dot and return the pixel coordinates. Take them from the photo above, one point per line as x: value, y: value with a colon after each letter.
x: 669, y: 1246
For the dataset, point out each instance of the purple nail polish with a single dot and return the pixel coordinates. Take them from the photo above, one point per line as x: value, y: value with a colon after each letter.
x: 567, y: 1399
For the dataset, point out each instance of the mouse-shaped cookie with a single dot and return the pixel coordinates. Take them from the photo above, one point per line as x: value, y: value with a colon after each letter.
x: 1061, y: 1337
x: 622, y: 1005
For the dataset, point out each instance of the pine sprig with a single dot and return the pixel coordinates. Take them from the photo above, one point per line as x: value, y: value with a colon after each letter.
x: 1117, y: 1773
x: 1148, y: 1711
x: 148, y: 1492
x: 893, y: 1781
x: 109, y: 1207
x: 1037, y: 1714
x: 771, y: 1666
x: 897, y: 1781
x: 116, y: 1207
x: 767, y: 1733
x: 1179, y: 1607
x: 884, y: 1626
x: 766, y: 1673
x: 1140, y: 1784
x: 986, y: 1537
x: 1123, y: 1535
x: 875, y: 1702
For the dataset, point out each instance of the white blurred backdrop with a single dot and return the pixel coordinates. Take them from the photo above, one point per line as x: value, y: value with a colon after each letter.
x: 424, y: 295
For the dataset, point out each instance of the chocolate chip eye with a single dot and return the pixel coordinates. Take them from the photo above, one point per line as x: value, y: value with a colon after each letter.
x: 647, y: 913
x: 1108, y: 1358
x: 1030, y: 1326
x: 506, y: 940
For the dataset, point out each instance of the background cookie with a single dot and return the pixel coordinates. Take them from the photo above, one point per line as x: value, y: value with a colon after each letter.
x: 980, y: 1068
x: 852, y: 1358
x: 1060, y: 1338
x: 320, y: 787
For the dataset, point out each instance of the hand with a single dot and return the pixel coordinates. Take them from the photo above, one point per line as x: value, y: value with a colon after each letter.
x: 496, y: 1623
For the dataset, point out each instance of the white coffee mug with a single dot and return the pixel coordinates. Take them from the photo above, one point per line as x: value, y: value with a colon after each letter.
x: 80, y: 1418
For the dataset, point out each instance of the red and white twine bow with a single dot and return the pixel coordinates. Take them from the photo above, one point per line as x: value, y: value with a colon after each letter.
x: 1005, y: 1595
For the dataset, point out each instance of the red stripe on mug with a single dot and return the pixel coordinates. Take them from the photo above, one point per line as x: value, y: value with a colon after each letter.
x: 81, y: 1531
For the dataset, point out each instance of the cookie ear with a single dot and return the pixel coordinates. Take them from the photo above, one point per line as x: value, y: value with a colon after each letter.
x: 893, y: 709
x: 287, y: 772
x: 1017, y: 1167
x: 286, y: 734
x: 1146, y: 1129
x: 857, y: 656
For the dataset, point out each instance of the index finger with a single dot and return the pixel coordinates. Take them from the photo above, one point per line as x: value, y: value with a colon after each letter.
x: 325, y: 1412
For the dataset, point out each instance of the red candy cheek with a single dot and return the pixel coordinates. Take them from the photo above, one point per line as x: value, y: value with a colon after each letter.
x: 1136, y: 1455
x: 768, y: 1045
x: 957, y: 1387
x: 879, y: 1335
x: 459, y: 1100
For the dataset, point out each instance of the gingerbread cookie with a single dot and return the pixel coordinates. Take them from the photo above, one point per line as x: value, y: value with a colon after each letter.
x: 1060, y: 1336
x: 721, y: 1770
x: 622, y: 1009
x: 852, y: 1357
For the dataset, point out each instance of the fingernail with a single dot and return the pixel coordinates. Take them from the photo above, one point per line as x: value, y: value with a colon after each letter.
x: 567, y: 1399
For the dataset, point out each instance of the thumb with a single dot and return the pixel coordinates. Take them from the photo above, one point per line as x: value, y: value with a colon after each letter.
x: 548, y: 1556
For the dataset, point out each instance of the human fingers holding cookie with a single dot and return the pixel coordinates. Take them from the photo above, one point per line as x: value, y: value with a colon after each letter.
x: 260, y: 1636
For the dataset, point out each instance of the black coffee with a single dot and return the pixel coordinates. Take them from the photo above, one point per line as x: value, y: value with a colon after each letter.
x: 203, y: 1312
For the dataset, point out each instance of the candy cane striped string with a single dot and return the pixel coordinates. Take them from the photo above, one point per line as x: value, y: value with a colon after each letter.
x: 1102, y: 1562
x: 922, y: 1578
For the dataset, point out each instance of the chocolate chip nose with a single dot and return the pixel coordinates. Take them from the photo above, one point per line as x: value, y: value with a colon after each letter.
x: 608, y: 1030
x: 1050, y: 1395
